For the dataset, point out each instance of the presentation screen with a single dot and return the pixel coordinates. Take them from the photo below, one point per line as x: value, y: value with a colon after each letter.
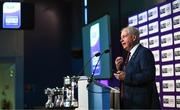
x: 96, y: 39
x: 16, y: 15
x: 12, y: 15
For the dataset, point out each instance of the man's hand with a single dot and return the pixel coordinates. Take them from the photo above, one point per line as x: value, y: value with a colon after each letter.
x: 118, y: 62
x: 120, y: 75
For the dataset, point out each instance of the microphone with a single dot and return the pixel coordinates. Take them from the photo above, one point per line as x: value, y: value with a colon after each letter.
x: 95, y: 55
x: 104, y: 52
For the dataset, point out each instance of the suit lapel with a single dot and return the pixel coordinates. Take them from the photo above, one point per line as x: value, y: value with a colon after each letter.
x: 135, y: 53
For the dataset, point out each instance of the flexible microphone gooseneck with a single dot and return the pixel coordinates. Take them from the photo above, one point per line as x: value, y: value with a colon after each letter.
x: 95, y: 55
x: 105, y: 51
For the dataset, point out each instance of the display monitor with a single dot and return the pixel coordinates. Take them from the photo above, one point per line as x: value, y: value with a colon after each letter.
x: 11, y: 15
x: 96, y: 46
x: 16, y: 15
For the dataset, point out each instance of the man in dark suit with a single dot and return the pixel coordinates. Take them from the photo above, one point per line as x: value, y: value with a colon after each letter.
x: 138, y: 86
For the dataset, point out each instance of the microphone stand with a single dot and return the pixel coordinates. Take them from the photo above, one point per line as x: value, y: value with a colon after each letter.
x: 91, y: 78
x: 96, y: 55
x: 105, y: 51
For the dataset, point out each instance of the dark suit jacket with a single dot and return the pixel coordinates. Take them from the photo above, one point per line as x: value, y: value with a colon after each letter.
x: 139, y: 85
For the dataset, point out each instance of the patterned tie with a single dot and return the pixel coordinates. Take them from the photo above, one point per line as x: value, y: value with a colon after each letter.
x: 127, y: 60
x: 125, y: 65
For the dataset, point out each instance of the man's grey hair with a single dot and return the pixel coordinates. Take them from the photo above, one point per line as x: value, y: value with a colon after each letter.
x: 132, y: 30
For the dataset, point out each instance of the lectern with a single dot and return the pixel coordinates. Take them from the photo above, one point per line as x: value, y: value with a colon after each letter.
x: 97, y: 96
